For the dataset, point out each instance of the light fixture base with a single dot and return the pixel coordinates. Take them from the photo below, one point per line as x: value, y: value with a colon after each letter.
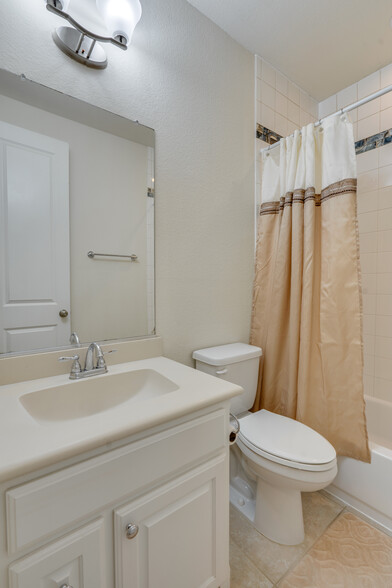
x: 80, y: 47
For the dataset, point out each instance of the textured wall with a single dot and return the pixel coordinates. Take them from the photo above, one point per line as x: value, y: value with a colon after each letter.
x: 193, y: 84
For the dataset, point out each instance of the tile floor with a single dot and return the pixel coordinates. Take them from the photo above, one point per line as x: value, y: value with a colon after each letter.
x: 340, y: 551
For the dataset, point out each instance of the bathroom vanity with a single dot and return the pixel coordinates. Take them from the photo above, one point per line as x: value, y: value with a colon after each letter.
x: 131, y: 496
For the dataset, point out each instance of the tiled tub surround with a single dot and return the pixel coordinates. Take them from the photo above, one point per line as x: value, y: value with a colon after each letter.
x: 281, y: 107
x: 375, y: 225
x: 340, y: 549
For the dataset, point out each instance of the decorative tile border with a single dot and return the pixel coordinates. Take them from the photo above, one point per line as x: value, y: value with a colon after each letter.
x: 361, y: 146
x: 373, y: 142
x: 267, y: 135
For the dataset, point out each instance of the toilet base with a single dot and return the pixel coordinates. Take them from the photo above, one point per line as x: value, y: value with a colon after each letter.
x: 278, y: 513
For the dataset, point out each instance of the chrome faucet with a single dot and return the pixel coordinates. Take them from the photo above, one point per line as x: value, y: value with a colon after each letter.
x: 94, y: 351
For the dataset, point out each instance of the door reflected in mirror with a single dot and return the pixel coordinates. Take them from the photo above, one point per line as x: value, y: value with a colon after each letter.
x: 77, y: 221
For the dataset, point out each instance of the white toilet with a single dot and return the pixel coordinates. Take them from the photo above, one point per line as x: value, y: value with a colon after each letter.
x: 275, y: 458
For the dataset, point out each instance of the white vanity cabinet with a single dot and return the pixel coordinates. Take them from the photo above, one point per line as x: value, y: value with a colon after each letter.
x: 152, y: 513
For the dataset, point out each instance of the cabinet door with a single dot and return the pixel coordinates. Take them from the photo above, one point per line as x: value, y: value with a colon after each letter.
x: 76, y: 560
x: 182, y: 533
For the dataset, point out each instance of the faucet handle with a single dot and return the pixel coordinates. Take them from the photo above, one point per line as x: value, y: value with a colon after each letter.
x: 101, y: 361
x: 76, y: 367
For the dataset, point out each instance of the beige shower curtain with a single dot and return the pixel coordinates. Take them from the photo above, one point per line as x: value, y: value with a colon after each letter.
x: 307, y: 306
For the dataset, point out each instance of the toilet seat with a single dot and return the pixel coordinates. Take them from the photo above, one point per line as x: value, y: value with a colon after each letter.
x: 286, y: 441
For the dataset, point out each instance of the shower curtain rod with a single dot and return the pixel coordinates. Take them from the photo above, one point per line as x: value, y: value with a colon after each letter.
x: 341, y: 111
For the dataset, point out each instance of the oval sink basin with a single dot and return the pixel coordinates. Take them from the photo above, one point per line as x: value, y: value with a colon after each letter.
x: 84, y: 398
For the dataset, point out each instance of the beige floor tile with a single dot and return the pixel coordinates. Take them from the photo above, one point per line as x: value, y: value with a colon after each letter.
x: 244, y: 574
x: 350, y: 554
x: 271, y: 558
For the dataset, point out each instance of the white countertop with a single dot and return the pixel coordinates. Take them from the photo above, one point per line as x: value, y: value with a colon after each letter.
x: 27, y: 445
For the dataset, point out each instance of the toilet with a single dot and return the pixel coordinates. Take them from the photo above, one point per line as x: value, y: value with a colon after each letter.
x: 275, y: 457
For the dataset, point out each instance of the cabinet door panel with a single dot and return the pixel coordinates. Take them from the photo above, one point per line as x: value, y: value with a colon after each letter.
x: 76, y: 560
x: 182, y: 535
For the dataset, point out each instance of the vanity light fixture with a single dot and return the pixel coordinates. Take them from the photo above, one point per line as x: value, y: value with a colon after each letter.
x: 80, y: 43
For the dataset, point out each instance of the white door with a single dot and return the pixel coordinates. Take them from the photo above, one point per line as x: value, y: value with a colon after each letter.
x: 34, y: 232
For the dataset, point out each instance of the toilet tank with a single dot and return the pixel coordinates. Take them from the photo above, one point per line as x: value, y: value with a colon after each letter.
x: 237, y: 363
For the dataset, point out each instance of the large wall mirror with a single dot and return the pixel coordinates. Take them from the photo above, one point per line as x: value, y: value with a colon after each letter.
x: 76, y: 221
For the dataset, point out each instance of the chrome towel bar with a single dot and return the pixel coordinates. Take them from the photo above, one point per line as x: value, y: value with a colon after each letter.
x: 92, y: 254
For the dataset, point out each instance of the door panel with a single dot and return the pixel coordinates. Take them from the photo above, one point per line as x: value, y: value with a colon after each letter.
x: 181, y: 539
x: 34, y: 223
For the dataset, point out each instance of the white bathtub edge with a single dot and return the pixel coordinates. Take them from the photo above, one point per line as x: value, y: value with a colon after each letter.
x: 375, y: 517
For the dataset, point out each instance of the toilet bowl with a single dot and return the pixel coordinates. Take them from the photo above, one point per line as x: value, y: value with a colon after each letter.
x: 276, y: 458
x: 285, y: 458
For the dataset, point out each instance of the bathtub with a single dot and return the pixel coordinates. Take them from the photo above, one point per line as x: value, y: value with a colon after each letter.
x: 368, y: 487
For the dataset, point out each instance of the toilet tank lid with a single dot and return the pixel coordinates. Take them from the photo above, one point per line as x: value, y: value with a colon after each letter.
x: 226, y: 354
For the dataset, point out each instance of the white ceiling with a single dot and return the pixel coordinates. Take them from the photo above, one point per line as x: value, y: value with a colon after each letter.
x: 322, y: 45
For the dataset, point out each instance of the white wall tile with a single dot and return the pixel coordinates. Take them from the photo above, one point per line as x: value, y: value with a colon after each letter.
x: 368, y: 364
x: 293, y: 93
x: 304, y: 101
x: 386, y: 76
x: 267, y: 95
x: 384, y: 264
x: 385, y: 154
x: 383, y: 389
x: 384, y: 241
x: 372, y: 107
x: 369, y: 344
x: 267, y: 117
x: 383, y: 347
x: 369, y: 85
x: 368, y: 385
x: 293, y: 112
x: 268, y: 73
x: 347, y: 96
x: 384, y: 284
x: 369, y: 324
x: 368, y: 244
x: 369, y: 126
x: 353, y: 115
x: 383, y: 326
x: 386, y: 101
x: 313, y: 105
x: 385, y: 198
x: 281, y: 125
x: 369, y: 303
x: 291, y: 127
x: 384, y: 219
x: 282, y: 84
x: 281, y: 104
x: 327, y: 106
x: 367, y: 201
x: 383, y: 368
x: 368, y: 181
x: 386, y: 119
x: 367, y: 222
x: 385, y: 176
x: 368, y: 263
x: 384, y: 304
x: 367, y: 161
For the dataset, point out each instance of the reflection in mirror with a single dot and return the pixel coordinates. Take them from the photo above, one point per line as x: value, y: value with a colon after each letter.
x: 76, y: 221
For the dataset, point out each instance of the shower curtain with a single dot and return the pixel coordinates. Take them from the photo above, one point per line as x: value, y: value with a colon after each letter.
x: 307, y: 304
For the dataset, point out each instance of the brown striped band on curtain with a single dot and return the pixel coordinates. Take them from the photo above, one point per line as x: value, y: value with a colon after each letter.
x: 302, y: 196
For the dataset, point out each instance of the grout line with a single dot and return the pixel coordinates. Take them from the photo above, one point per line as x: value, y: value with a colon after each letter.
x: 293, y: 565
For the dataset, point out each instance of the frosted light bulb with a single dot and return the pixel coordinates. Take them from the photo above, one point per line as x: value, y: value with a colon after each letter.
x: 121, y: 17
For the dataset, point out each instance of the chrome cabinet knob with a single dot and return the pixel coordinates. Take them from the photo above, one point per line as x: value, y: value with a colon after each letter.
x: 66, y: 586
x: 132, y: 531
x: 63, y: 313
